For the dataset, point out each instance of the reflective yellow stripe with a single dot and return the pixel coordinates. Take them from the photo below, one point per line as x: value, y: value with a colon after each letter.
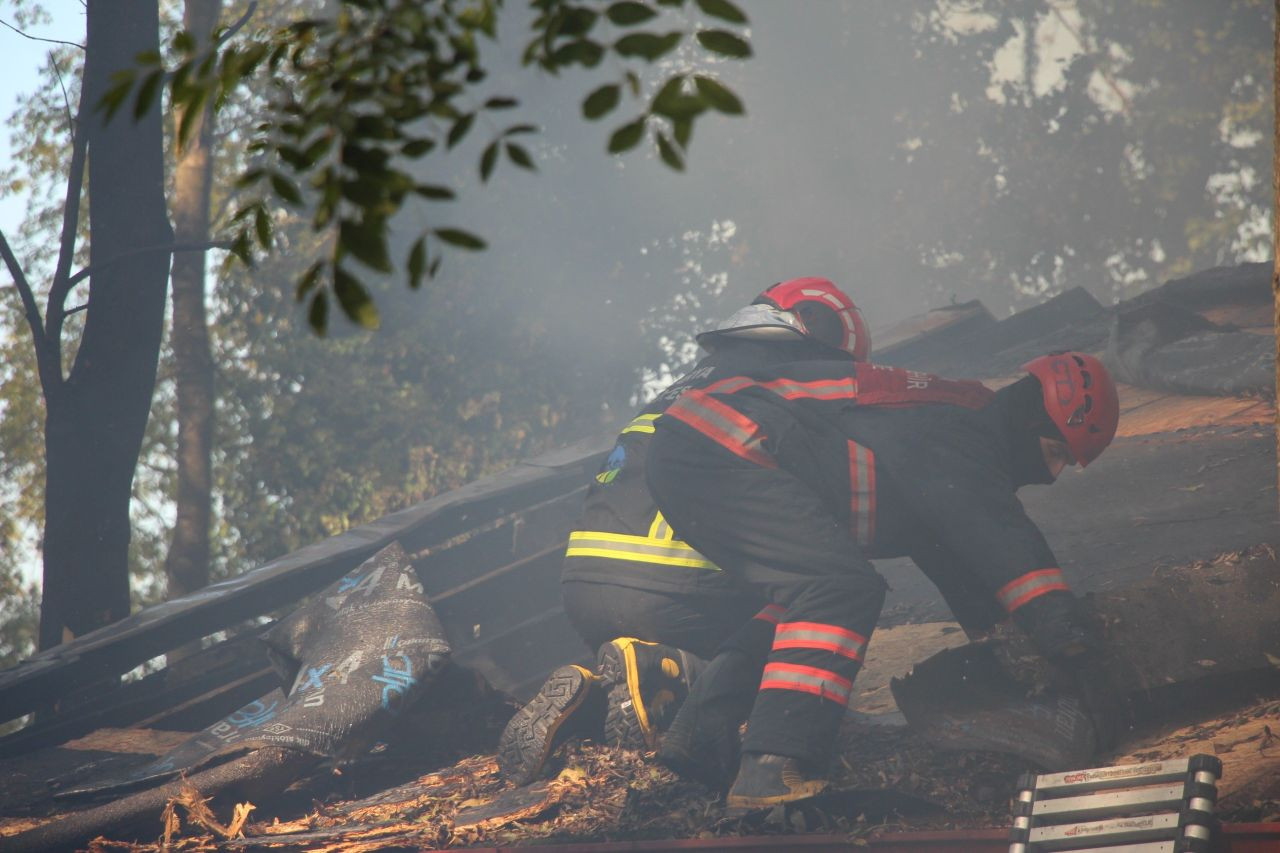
x: 660, y: 529
x: 641, y: 549
x: 642, y: 423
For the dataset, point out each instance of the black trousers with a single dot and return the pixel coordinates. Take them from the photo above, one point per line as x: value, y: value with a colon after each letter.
x: 776, y: 538
x: 697, y: 623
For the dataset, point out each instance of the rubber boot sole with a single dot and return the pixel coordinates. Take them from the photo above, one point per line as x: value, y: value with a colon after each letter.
x: 627, y: 721
x: 802, y: 791
x: 542, y: 725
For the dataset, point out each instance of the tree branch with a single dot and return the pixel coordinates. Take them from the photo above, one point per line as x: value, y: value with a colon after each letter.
x: 38, y: 38
x: 61, y: 286
x: 236, y: 27
x: 47, y: 365
x: 170, y: 248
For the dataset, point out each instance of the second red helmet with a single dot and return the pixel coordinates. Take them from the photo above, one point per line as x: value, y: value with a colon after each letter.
x: 827, y: 312
x: 1080, y: 398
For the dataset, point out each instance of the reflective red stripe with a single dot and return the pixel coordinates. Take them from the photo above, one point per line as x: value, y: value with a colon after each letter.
x: 1019, y: 591
x: 844, y: 388
x: 722, y: 424
x: 817, y: 635
x: 862, y: 493
x: 807, y: 679
x: 771, y: 613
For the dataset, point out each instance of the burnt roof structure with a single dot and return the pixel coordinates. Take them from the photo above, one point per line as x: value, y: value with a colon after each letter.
x: 1190, y: 478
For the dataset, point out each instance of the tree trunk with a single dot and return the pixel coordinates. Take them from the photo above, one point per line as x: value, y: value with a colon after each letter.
x: 94, y: 423
x: 187, y: 563
x: 1275, y: 227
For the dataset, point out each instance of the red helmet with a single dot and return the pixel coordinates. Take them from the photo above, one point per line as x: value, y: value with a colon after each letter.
x: 1080, y: 398
x: 827, y: 312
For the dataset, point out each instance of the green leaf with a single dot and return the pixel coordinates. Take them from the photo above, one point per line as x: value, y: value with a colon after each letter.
x: 627, y: 136
x: 184, y: 42
x: 584, y: 52
x: 354, y: 299
x: 367, y: 241
x: 629, y: 12
x: 285, y: 188
x: 434, y: 192
x: 501, y: 103
x: 250, y: 177
x: 601, y: 101
x: 577, y: 21
x: 459, y: 129
x: 520, y: 128
x: 241, y: 248
x: 520, y: 157
x: 672, y: 102
x: 488, y: 160
x: 726, y: 43
x: 417, y: 147
x: 262, y: 227
x: 647, y: 45
x: 117, y: 92
x: 364, y: 159
x: 434, y: 267
x: 309, y: 280
x: 461, y: 239
x: 722, y: 9
x: 417, y: 263
x: 683, y: 130
x: 318, y: 313
x: 673, y: 3
x: 147, y: 93
x: 669, y: 154
x: 718, y: 96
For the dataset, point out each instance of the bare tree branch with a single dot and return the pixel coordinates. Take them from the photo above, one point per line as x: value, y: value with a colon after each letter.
x: 239, y: 24
x: 61, y: 286
x: 46, y: 363
x: 171, y: 248
x: 38, y: 38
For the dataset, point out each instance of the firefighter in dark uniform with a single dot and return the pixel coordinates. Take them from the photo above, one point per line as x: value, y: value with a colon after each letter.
x: 650, y: 604
x: 790, y: 479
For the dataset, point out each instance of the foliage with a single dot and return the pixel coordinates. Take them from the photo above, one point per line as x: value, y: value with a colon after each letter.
x: 358, y: 97
x: 1165, y: 112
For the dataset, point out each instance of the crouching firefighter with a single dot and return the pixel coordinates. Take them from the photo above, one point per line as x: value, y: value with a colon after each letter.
x: 791, y: 478
x: 653, y: 606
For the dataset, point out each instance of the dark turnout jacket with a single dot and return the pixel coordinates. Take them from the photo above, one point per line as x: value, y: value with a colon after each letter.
x: 915, y: 465
x: 622, y: 538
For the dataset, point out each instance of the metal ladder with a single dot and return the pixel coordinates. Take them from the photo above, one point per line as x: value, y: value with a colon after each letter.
x: 1158, y: 807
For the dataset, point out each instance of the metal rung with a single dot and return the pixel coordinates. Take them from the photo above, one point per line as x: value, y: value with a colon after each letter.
x: 1097, y: 778
x: 1145, y: 847
x: 1157, y: 807
x: 1069, y: 835
x: 1099, y: 805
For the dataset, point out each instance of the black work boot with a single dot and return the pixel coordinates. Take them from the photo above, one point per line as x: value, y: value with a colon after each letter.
x: 570, y: 702
x: 647, y: 683
x: 702, y: 746
x: 703, y: 742
x: 766, y: 780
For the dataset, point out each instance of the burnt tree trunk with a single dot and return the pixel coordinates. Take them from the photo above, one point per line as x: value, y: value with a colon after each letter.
x: 95, y: 418
x: 187, y: 563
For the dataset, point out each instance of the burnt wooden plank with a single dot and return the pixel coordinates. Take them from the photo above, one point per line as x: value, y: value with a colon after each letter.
x: 527, y: 532
x: 192, y: 695
x: 117, y: 648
